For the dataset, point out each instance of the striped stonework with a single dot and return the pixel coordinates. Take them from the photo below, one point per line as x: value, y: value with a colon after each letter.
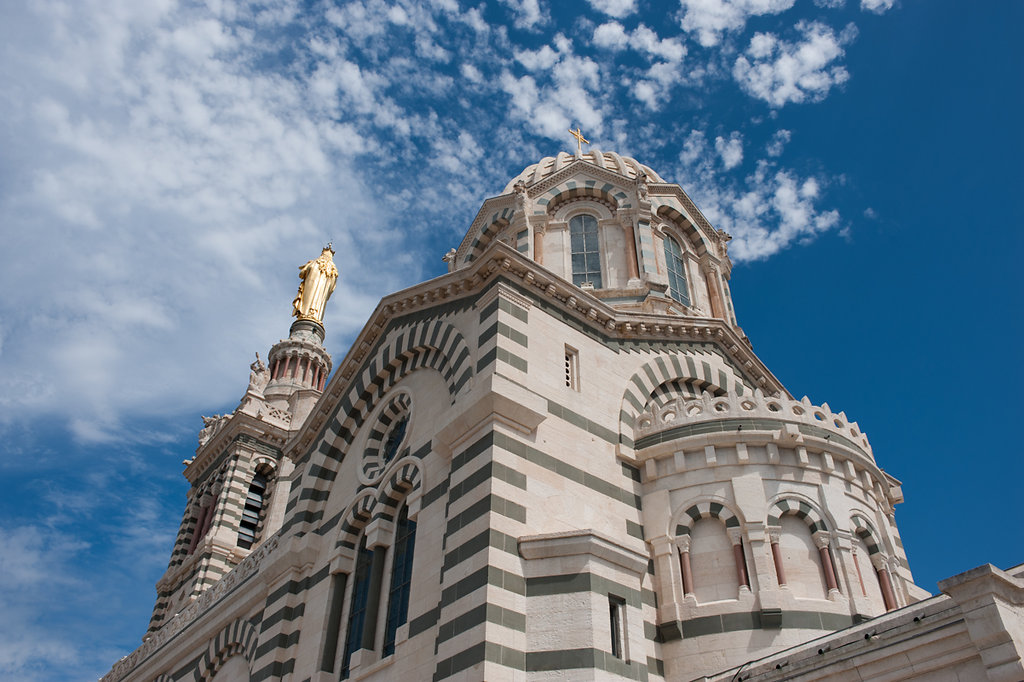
x: 798, y: 508
x: 705, y: 510
x: 488, y: 231
x: 373, y: 464
x: 671, y: 211
x: 431, y: 344
x: 691, y: 369
x: 237, y: 639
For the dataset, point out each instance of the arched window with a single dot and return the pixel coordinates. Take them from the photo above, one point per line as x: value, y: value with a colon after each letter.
x: 676, y: 271
x: 357, y: 609
x: 401, y: 578
x: 713, y: 562
x: 586, y: 251
x: 248, y: 527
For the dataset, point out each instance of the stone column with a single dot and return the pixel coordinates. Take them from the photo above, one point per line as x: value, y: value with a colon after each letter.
x: 736, y: 536
x: 668, y: 577
x: 373, y: 597
x: 538, y: 244
x: 774, y: 535
x: 822, y: 541
x: 882, y: 571
x: 684, y: 564
x: 711, y: 279
x: 631, y: 261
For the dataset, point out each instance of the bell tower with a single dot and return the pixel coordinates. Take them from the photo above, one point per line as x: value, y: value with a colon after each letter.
x: 238, y: 474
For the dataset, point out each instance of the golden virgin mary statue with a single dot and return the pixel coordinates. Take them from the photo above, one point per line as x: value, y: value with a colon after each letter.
x: 317, y: 280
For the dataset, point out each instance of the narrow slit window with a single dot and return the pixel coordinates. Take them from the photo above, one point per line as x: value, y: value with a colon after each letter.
x: 617, y: 623
x: 572, y: 368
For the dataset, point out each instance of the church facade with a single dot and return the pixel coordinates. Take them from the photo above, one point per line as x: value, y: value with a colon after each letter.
x: 560, y: 460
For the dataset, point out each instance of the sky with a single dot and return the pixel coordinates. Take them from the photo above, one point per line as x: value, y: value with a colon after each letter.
x: 166, y: 166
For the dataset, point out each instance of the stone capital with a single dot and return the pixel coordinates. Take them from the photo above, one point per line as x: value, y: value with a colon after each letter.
x: 879, y: 561
x: 774, y: 534
x: 822, y: 539
x: 683, y: 543
x: 735, y: 535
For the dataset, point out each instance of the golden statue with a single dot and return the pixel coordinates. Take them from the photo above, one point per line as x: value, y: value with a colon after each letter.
x: 317, y: 280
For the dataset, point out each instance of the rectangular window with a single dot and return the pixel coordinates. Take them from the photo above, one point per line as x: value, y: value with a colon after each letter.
x: 572, y: 368
x: 617, y: 622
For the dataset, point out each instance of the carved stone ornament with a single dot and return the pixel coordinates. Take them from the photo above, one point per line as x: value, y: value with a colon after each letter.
x: 259, y: 376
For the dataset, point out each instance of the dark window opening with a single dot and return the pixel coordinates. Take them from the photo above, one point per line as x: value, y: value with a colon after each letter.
x: 248, y: 527
x: 401, y: 579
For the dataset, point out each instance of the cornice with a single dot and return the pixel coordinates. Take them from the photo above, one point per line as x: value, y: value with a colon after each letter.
x: 500, y: 260
x: 238, y: 425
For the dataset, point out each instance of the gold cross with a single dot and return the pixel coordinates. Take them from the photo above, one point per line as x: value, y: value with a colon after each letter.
x: 579, y: 140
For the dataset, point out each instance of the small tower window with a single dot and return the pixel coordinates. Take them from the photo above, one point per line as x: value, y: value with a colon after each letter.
x: 617, y: 624
x: 572, y: 368
x: 251, y: 512
x: 586, y: 252
x: 676, y: 271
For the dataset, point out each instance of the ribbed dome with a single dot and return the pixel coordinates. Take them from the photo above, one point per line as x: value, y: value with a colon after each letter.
x: 612, y: 161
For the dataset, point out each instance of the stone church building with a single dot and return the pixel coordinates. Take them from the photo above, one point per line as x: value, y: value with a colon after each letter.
x: 561, y: 460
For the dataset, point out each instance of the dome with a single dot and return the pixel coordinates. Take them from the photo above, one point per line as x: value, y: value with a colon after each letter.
x: 612, y: 161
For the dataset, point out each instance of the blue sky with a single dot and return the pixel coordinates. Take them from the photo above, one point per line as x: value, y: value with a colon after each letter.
x: 166, y: 166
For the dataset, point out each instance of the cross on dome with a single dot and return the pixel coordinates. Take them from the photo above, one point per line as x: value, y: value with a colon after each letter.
x: 580, y: 140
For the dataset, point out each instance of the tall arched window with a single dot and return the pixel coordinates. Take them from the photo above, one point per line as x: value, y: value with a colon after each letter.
x: 586, y: 251
x: 401, y: 578
x: 676, y: 272
x: 357, y: 609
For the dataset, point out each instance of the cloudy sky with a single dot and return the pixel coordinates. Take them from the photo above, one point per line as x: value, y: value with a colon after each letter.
x: 165, y: 167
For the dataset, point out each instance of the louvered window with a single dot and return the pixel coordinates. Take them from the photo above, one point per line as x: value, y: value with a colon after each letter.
x: 249, y: 526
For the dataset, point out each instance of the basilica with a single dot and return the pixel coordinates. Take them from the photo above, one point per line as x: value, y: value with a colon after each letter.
x: 561, y: 460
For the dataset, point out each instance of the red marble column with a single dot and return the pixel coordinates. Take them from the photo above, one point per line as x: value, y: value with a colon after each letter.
x: 780, y: 572
x: 684, y: 564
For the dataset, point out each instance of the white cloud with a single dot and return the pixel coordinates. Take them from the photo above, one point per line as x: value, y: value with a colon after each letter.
x: 614, y: 8
x: 528, y: 13
x: 877, y: 6
x: 730, y: 150
x: 710, y: 19
x: 780, y: 72
x: 830, y: 4
x: 560, y: 93
x: 611, y: 35
x: 778, y: 142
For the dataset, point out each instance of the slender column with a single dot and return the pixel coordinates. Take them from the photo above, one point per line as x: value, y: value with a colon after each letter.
x: 821, y: 540
x: 631, y: 263
x: 538, y: 244
x: 373, y: 597
x: 323, y: 379
x: 774, y: 534
x: 287, y: 364
x: 711, y: 279
x: 684, y: 563
x: 316, y: 376
x: 741, y: 563
x: 878, y: 561
x: 860, y: 576
x: 305, y: 370
x: 275, y: 369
